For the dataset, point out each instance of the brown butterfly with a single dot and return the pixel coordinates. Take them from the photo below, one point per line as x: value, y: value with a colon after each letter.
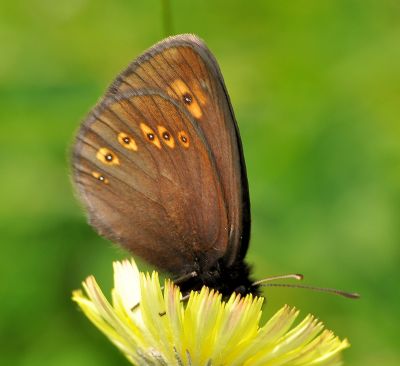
x: 159, y: 166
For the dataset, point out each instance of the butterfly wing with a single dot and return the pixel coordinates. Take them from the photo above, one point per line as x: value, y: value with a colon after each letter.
x: 149, y: 181
x: 183, y: 68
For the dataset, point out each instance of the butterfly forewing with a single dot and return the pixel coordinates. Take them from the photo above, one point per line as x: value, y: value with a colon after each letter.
x: 150, y: 182
x: 183, y: 68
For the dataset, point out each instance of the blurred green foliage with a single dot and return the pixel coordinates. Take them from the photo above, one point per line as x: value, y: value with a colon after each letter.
x: 316, y: 90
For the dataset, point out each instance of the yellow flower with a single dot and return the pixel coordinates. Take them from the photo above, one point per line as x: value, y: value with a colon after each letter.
x: 163, y: 330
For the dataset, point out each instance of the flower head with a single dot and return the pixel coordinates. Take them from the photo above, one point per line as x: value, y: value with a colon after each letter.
x: 152, y: 326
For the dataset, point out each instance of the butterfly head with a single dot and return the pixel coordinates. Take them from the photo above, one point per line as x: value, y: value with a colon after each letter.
x: 224, y: 279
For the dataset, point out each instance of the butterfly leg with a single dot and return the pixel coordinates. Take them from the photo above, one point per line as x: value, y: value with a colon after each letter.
x: 185, y: 277
x: 184, y: 298
x: 177, y: 282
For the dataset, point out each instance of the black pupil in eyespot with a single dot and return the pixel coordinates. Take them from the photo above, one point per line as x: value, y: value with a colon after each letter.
x: 127, y: 140
x: 101, y: 178
x: 166, y: 135
x: 184, y: 139
x: 187, y: 98
x: 150, y: 136
x: 109, y: 157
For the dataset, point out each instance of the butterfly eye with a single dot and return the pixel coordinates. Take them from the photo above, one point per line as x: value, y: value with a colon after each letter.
x: 100, y: 177
x: 127, y: 141
x: 150, y: 135
x: 184, y: 139
x: 166, y: 137
x: 107, y: 156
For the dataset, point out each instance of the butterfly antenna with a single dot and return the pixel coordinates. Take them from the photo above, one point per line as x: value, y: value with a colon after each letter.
x: 349, y: 295
x: 295, y: 276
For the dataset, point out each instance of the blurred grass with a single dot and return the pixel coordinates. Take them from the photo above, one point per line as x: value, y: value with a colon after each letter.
x: 316, y: 89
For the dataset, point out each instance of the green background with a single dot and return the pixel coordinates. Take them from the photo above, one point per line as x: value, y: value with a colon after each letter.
x: 316, y: 90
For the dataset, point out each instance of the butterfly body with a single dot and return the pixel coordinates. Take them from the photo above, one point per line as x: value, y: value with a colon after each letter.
x: 226, y: 280
x: 159, y: 166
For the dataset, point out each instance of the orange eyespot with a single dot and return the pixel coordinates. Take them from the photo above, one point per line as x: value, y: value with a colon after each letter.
x: 179, y: 88
x: 100, y: 177
x: 183, y: 138
x: 107, y: 156
x: 127, y: 141
x: 149, y: 135
x: 166, y: 137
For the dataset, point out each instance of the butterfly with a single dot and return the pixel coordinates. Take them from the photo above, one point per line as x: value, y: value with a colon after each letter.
x: 158, y: 164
